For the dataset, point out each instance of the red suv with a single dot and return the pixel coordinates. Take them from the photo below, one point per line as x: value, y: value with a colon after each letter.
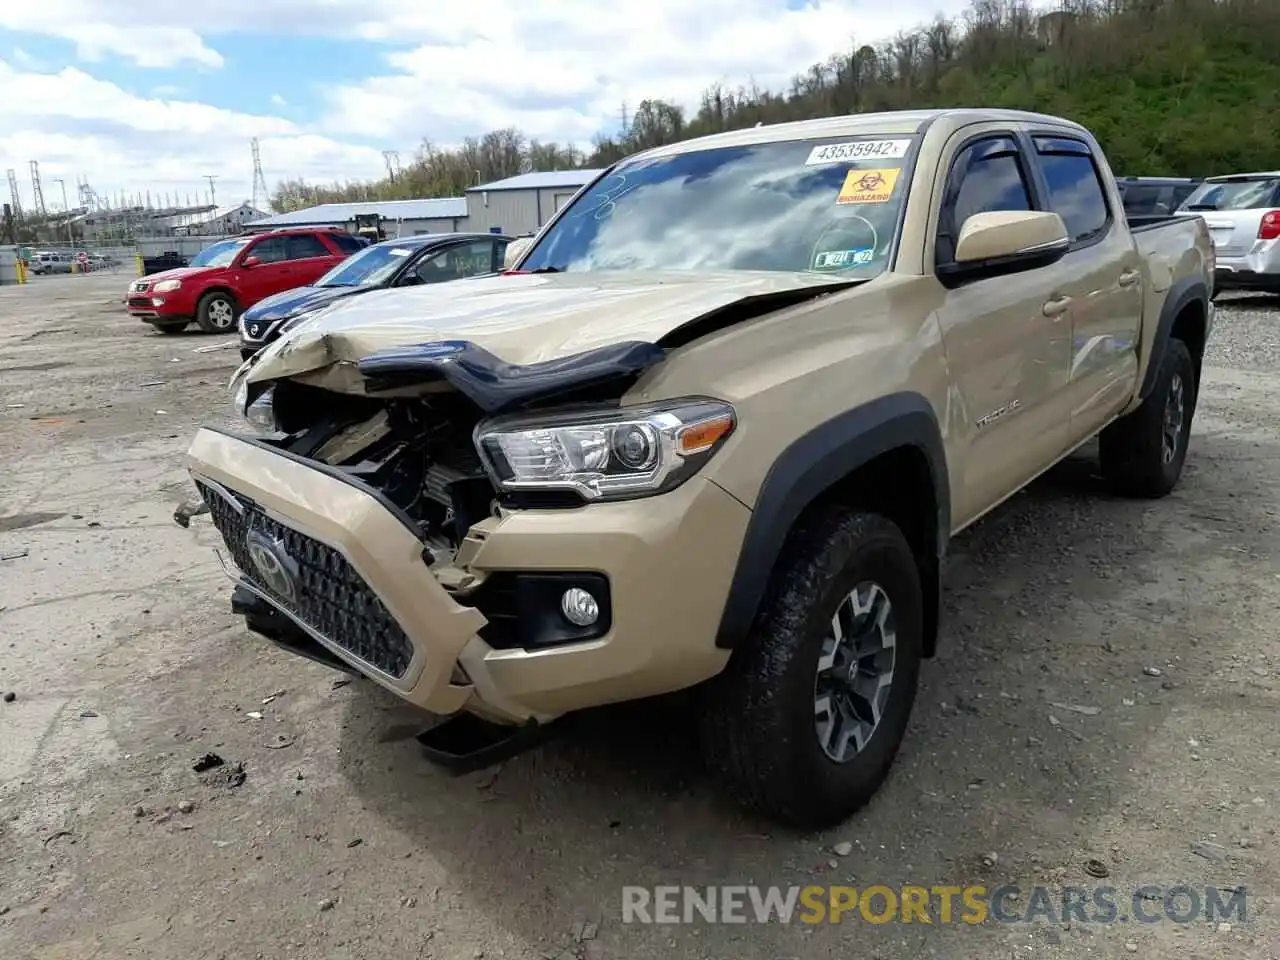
x: 229, y: 276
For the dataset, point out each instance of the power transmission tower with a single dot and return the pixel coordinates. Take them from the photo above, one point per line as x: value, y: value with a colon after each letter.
x: 261, y: 195
x: 15, y: 201
x: 213, y: 196
x: 392, y: 158
x: 37, y: 193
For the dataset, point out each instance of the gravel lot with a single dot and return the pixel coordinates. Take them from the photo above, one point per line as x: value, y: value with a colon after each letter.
x: 341, y: 842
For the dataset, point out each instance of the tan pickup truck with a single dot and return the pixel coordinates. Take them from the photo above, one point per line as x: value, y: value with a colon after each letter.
x: 714, y: 430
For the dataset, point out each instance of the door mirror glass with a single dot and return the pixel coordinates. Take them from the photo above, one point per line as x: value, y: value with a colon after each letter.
x: 251, y: 262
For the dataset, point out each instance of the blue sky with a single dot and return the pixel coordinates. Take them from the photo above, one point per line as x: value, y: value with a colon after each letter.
x: 141, y: 95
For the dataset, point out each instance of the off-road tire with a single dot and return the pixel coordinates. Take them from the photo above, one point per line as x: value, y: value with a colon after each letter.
x: 209, y: 311
x: 1132, y: 450
x: 758, y: 728
x: 170, y: 328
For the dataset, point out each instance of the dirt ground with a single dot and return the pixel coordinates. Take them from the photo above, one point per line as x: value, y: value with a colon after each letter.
x: 342, y: 842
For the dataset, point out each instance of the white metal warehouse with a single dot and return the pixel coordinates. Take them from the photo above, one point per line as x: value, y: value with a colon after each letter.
x: 521, y: 205
x: 400, y: 218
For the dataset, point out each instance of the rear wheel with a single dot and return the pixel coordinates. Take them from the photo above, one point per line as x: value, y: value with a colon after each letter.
x: 1143, y: 452
x: 807, y: 718
x: 216, y: 312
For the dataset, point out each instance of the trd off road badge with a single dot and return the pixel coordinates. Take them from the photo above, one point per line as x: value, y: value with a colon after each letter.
x: 868, y: 186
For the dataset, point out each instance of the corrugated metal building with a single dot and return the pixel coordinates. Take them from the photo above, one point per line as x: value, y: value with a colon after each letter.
x: 520, y: 205
x: 400, y: 218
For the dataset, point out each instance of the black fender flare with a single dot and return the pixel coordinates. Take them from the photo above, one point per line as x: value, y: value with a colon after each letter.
x: 1181, y: 295
x: 809, y: 467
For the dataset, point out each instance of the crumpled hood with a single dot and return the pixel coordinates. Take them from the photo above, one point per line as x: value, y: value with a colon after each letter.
x: 519, y: 318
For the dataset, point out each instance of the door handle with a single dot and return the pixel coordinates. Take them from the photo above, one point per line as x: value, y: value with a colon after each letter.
x: 1056, y: 307
x: 1129, y: 278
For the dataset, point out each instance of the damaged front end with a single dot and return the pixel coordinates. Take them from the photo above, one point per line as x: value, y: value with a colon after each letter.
x: 360, y: 517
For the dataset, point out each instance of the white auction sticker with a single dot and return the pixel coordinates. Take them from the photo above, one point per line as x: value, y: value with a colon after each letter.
x: 858, y: 150
x: 399, y: 252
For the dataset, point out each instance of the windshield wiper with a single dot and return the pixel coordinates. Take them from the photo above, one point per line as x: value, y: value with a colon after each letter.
x: 1201, y: 206
x: 548, y: 270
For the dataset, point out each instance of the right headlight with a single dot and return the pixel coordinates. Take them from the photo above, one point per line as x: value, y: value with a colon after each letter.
x: 613, y: 454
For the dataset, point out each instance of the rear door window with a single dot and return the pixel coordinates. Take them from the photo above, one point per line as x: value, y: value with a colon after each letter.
x: 304, y: 246
x: 1075, y: 187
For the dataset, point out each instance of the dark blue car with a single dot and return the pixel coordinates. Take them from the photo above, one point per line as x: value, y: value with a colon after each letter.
x: 406, y: 261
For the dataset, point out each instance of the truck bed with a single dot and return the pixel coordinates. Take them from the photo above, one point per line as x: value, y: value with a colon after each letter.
x: 1149, y: 221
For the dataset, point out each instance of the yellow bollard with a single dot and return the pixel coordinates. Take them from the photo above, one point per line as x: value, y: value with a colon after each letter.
x: 22, y: 271
x: 138, y: 257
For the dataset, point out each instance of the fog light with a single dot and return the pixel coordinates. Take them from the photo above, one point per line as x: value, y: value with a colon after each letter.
x: 157, y: 301
x: 579, y: 607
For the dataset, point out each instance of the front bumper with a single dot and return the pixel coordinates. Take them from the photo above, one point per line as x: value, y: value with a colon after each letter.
x: 145, y: 307
x: 669, y: 561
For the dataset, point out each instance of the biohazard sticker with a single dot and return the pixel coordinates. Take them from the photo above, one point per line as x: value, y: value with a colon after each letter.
x: 858, y: 150
x: 834, y: 259
x: 868, y: 186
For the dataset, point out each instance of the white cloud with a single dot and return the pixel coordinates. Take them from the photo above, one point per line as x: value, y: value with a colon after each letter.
x: 557, y: 69
x: 74, y: 125
x: 561, y: 69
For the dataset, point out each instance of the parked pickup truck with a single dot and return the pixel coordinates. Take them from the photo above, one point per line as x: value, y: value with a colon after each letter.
x: 229, y: 276
x: 713, y: 431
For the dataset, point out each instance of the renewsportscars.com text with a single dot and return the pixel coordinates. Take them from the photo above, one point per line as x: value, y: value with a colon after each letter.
x: 932, y: 905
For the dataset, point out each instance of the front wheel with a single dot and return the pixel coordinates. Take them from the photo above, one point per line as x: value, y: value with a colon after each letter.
x: 171, y: 328
x: 1143, y: 452
x: 806, y: 720
x: 216, y: 312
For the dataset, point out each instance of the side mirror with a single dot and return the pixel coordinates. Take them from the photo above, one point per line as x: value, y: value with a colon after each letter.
x: 515, y: 250
x: 251, y: 262
x: 1006, y: 241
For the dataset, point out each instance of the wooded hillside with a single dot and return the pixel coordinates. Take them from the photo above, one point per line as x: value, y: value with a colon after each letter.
x: 1170, y: 87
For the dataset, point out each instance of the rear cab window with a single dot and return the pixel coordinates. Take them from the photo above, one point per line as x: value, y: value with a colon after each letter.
x: 1075, y: 187
x: 829, y: 207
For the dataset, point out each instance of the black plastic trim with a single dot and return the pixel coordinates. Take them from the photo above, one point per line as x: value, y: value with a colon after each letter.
x: 330, y: 471
x: 812, y: 465
x: 1140, y: 222
x: 266, y: 621
x: 1181, y: 295
x: 495, y: 385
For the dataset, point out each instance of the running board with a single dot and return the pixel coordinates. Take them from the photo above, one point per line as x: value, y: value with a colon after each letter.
x: 465, y: 743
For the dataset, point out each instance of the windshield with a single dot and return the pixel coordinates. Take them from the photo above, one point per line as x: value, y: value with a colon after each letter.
x: 1233, y: 195
x: 219, y: 254
x: 370, y: 267
x: 804, y: 205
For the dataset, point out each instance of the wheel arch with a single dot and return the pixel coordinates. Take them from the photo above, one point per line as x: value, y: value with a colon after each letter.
x: 887, y: 456
x: 219, y: 288
x: 1185, y: 315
